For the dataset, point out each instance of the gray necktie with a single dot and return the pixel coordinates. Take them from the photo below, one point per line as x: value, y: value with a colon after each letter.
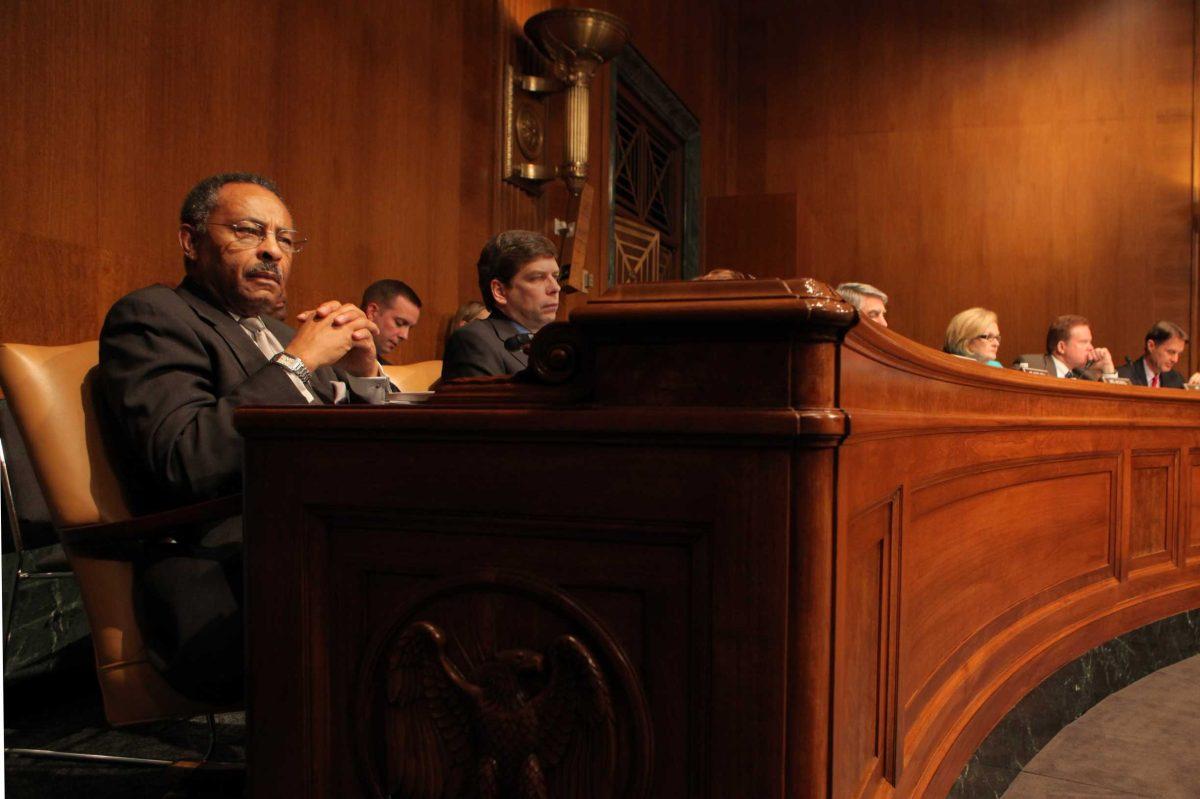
x: 258, y: 331
x: 270, y: 347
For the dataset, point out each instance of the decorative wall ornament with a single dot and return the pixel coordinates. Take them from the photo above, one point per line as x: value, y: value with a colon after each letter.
x: 575, y: 42
x: 525, y: 129
x: 638, y: 252
x: 654, y: 170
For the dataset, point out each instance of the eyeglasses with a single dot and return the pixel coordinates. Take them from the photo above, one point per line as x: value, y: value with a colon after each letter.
x: 251, y: 234
x: 989, y: 337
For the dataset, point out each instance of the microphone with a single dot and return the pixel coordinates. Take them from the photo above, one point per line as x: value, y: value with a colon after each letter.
x: 517, y: 342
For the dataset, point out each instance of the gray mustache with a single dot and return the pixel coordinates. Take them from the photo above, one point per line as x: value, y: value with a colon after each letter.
x: 267, y: 268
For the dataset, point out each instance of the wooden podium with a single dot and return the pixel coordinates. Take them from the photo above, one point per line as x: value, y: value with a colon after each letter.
x: 719, y: 541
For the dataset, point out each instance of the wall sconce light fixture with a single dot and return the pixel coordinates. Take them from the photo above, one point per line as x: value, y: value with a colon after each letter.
x: 576, y: 41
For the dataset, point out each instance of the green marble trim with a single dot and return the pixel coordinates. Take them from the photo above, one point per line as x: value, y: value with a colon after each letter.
x: 47, y: 619
x: 1069, y: 693
x: 630, y: 69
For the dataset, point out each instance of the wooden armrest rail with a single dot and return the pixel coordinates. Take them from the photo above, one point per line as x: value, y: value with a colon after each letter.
x: 152, y: 525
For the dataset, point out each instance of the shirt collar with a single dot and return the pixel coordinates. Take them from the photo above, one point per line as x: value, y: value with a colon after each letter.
x: 1150, y: 373
x: 520, y: 327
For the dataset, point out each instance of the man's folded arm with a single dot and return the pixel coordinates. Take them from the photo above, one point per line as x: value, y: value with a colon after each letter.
x: 158, y: 383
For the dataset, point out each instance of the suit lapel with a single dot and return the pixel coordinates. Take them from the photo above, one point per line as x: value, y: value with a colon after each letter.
x: 1139, y: 372
x: 243, y: 347
x: 505, y: 329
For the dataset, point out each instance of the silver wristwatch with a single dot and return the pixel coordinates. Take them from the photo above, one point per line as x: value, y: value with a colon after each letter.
x: 295, y: 366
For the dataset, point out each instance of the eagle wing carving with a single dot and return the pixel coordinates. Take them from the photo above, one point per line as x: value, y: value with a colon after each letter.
x: 576, y: 724
x: 431, y: 710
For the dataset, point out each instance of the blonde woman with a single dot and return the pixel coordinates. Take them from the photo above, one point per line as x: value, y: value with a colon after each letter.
x: 974, y: 333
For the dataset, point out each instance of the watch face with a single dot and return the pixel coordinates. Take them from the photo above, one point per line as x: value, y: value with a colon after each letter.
x: 293, y: 365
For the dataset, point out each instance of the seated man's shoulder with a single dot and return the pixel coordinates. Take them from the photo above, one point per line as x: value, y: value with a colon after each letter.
x: 150, y: 299
x: 475, y: 350
x: 157, y: 311
x: 1173, y: 379
x: 479, y: 328
x: 1126, y: 370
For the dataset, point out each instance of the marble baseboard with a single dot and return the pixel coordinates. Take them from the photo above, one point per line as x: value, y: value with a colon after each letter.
x: 47, y: 619
x: 1069, y: 693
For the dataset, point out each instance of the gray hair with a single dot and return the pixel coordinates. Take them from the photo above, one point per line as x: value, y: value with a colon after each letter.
x: 202, y: 199
x: 855, y: 293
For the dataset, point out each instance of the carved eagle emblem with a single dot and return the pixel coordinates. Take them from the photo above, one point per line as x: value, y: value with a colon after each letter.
x: 524, y: 726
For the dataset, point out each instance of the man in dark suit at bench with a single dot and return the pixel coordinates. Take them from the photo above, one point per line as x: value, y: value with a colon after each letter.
x: 1070, y: 352
x: 174, y: 366
x: 518, y: 281
x: 1163, y: 347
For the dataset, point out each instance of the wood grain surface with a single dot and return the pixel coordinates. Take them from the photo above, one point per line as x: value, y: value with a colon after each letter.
x: 875, y: 549
x: 1033, y: 158
x: 379, y: 120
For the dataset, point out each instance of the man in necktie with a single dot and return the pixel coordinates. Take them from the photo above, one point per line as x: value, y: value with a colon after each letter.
x: 1163, y: 346
x: 518, y: 282
x: 174, y: 366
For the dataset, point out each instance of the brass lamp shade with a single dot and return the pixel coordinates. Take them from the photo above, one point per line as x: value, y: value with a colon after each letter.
x: 577, y: 40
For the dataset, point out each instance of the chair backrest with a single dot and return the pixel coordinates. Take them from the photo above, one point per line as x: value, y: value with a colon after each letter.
x: 417, y: 376
x: 49, y: 390
x: 50, y: 393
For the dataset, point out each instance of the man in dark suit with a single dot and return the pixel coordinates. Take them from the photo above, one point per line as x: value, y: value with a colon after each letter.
x: 174, y: 365
x: 1164, y: 344
x: 518, y: 280
x: 1070, y: 352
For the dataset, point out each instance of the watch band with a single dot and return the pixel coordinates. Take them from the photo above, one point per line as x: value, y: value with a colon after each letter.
x: 294, y: 365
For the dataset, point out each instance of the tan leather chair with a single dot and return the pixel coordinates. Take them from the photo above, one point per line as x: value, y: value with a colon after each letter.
x: 417, y: 376
x: 49, y: 390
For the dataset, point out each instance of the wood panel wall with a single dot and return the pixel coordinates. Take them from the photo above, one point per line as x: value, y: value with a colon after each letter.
x: 378, y: 119
x: 1031, y: 157
x: 116, y: 109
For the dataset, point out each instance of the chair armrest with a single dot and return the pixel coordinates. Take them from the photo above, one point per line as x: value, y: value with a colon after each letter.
x: 152, y: 525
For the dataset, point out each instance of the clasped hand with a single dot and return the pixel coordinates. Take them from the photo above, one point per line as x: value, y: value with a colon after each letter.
x: 1102, y: 359
x: 336, y: 333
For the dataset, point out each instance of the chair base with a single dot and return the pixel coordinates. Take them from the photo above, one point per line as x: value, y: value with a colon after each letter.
x: 126, y: 760
x: 53, y: 754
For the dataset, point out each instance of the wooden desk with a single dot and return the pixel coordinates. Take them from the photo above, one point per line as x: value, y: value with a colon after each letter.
x: 794, y: 565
